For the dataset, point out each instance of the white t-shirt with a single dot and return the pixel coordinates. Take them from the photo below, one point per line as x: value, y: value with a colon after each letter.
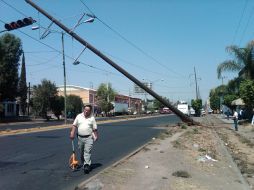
x: 85, y: 125
x: 235, y: 115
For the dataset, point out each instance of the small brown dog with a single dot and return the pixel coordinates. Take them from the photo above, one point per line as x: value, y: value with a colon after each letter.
x: 73, y: 162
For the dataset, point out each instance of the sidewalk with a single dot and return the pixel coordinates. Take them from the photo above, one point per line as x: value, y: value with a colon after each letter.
x: 224, y: 119
x: 182, y: 158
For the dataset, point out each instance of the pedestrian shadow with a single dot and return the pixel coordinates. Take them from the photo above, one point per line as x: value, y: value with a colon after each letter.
x: 95, y: 165
x: 80, y: 167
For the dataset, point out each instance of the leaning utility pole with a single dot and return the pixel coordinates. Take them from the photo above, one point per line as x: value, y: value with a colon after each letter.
x: 183, y: 117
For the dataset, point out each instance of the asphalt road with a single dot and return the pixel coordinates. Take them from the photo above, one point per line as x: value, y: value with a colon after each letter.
x: 40, y: 160
x: 43, y: 123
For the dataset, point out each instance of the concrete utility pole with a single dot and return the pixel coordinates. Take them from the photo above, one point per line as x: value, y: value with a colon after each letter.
x: 64, y: 72
x: 183, y: 117
x: 29, y: 93
x: 196, y: 83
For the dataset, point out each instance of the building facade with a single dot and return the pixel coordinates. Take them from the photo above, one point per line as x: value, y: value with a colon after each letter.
x: 88, y: 96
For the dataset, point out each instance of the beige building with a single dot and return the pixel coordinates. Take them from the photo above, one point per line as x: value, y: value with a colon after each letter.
x: 87, y: 95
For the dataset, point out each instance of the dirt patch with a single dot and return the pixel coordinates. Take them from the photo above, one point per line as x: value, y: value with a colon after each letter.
x: 240, y: 145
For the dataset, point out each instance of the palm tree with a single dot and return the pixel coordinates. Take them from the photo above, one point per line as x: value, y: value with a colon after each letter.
x: 243, y: 62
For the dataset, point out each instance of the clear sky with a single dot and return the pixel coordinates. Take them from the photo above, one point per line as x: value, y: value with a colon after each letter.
x: 158, y: 41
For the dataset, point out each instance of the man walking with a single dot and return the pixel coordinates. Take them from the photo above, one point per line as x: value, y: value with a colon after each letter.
x: 235, y: 118
x: 87, y: 134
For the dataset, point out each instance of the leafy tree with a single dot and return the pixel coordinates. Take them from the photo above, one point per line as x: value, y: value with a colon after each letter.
x: 157, y: 104
x: 74, y: 105
x: 10, y: 51
x: 233, y: 86
x: 228, y: 100
x: 222, y: 91
x: 247, y: 94
x: 105, y: 95
x: 22, y: 87
x: 215, y: 102
x: 196, y: 105
x: 57, y: 106
x: 243, y: 62
x: 43, y: 96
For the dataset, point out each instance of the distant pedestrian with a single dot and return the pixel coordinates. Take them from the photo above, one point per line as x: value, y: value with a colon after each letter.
x: 252, y: 121
x: 235, y: 118
x: 240, y: 114
x: 87, y: 134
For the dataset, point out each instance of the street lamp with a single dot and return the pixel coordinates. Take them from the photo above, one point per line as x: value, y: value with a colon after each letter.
x: 48, y: 31
x: 76, y: 62
x: 64, y: 71
x: 89, y: 20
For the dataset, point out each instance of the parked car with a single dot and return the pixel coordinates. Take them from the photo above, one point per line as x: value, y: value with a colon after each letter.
x: 202, y: 112
x: 165, y: 110
x: 149, y: 112
x: 210, y: 110
x: 192, y: 111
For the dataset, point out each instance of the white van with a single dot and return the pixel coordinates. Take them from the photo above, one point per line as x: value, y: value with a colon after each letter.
x: 183, y: 107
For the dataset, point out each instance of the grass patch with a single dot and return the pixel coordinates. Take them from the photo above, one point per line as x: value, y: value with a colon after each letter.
x: 165, y: 134
x: 195, y: 131
x: 181, y: 173
x: 246, y: 141
x: 241, y: 162
x: 243, y: 166
x: 176, y: 144
x: 184, y: 127
x: 202, y: 150
x: 169, y: 133
x: 162, y: 136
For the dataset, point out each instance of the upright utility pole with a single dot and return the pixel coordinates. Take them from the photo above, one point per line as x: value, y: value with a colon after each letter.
x: 196, y: 83
x: 108, y: 92
x: 65, y: 112
x: 28, y: 106
x: 113, y: 64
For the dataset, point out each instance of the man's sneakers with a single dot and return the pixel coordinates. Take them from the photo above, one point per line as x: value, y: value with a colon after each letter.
x: 87, y: 169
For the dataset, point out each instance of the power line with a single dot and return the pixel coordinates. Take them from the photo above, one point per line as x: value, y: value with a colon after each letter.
x: 247, y: 24
x: 53, y: 66
x: 131, y: 43
x: 14, y: 8
x: 138, y: 66
x: 240, y: 20
x: 45, y: 62
x: 52, y: 51
x: 121, y: 36
x: 91, y: 66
